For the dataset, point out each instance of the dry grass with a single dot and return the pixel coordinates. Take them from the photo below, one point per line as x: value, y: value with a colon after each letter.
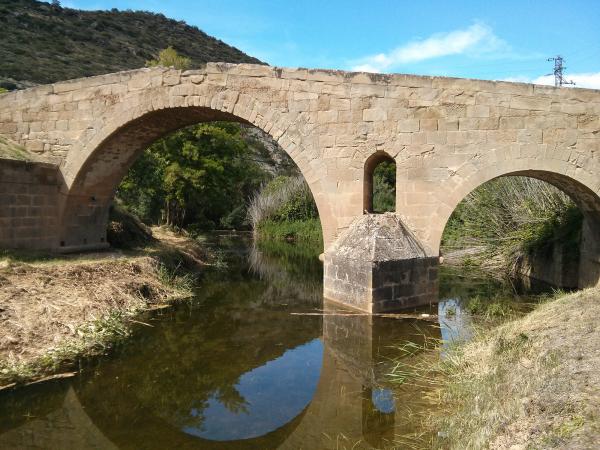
x: 530, y: 383
x: 54, y: 311
x: 266, y: 202
x: 511, y: 217
x: 12, y: 150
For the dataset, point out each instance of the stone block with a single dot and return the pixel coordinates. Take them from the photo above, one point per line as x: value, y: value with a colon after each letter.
x: 374, y: 114
x: 428, y: 124
x: 530, y: 103
x: 408, y: 125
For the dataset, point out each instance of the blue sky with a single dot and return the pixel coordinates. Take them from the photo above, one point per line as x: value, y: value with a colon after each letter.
x: 509, y: 39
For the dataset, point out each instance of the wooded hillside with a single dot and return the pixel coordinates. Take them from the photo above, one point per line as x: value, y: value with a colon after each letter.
x: 42, y: 43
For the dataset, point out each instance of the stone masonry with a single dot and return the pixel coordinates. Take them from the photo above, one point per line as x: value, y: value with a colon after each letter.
x: 28, y: 204
x: 447, y: 137
x: 378, y: 266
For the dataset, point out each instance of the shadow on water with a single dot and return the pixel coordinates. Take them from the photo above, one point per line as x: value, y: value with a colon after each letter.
x: 240, y: 367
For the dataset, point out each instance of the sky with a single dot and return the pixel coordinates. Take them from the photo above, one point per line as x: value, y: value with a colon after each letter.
x: 497, y: 40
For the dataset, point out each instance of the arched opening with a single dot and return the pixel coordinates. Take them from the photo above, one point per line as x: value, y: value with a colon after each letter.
x: 379, y: 184
x: 537, y: 224
x: 87, y: 204
x: 197, y: 134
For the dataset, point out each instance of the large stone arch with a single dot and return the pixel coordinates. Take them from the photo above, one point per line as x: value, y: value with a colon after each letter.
x: 93, y: 171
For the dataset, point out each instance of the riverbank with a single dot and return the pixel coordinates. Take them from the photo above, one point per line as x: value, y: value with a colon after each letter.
x: 529, y: 383
x: 305, y: 231
x: 56, y: 309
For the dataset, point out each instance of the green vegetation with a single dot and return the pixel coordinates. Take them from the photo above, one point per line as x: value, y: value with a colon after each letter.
x: 43, y: 43
x: 384, y: 187
x: 535, y: 365
x: 198, y: 178
x: 515, y: 216
x: 284, y: 209
x: 517, y: 383
x: 305, y: 231
x: 11, y: 150
x: 170, y: 58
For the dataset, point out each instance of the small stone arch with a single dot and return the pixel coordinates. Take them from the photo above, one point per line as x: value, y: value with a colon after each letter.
x: 371, y: 164
x: 552, y: 172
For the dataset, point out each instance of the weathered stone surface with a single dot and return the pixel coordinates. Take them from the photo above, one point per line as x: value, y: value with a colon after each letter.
x: 378, y: 238
x: 377, y: 265
x: 448, y: 136
x: 29, y: 200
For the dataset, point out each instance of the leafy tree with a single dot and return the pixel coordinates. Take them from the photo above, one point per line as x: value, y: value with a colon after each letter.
x: 170, y: 58
x: 384, y: 187
x: 198, y: 177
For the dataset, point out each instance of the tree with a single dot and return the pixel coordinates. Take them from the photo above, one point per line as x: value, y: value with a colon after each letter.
x: 170, y: 58
x: 198, y: 177
x: 384, y: 187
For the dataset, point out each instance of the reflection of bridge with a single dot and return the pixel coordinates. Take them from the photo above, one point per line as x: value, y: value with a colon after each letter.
x: 341, y: 413
x: 446, y: 136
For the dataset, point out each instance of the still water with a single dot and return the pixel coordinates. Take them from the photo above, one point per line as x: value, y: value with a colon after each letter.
x: 241, y: 367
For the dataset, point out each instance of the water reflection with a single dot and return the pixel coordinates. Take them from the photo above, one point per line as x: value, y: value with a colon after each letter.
x: 237, y: 370
x: 292, y: 377
x: 455, y: 322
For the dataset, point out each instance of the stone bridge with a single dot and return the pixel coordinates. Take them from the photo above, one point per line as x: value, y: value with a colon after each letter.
x: 446, y: 136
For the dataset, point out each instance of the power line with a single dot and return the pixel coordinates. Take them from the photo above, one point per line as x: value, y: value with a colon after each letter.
x: 559, y: 79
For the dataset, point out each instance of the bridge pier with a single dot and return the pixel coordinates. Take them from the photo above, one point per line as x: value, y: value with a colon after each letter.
x: 377, y: 265
x: 84, y: 223
x: 589, y: 262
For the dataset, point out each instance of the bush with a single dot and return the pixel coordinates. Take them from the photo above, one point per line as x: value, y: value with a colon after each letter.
x: 511, y: 216
x: 284, y: 209
x: 125, y: 230
x: 170, y: 58
x: 282, y: 199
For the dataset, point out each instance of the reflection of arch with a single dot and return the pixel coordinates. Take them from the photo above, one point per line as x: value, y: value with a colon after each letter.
x: 558, y: 173
x: 93, y: 173
x: 371, y: 164
x: 76, y: 429
x: 165, y: 435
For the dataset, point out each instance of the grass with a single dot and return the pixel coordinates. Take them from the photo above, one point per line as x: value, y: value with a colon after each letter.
x: 80, y: 306
x: 522, y: 381
x: 284, y: 210
x: 11, y: 150
x: 92, y: 338
x: 298, y: 231
x: 496, y: 308
x: 512, y: 217
x: 177, y: 279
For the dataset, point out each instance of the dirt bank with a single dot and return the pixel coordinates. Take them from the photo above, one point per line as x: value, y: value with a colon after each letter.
x: 55, y: 309
x: 531, y: 383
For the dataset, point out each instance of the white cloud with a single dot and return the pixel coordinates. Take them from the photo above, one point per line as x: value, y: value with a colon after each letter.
x: 589, y: 80
x: 474, y: 40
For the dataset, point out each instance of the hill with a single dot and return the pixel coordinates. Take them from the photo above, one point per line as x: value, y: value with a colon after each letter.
x: 42, y: 43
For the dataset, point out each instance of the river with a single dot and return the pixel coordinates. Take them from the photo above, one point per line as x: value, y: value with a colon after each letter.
x: 243, y: 366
